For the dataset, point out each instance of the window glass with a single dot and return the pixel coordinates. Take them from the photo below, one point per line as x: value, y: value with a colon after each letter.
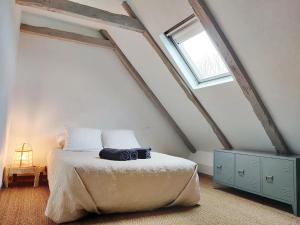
x: 203, y: 56
x: 198, y: 52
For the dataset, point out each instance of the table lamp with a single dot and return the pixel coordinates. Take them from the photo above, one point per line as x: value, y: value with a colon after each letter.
x: 23, y: 156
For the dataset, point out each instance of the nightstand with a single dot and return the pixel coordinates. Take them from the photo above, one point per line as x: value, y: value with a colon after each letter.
x: 23, y: 171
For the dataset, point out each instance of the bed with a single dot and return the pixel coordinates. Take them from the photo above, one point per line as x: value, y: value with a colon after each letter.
x: 82, y: 183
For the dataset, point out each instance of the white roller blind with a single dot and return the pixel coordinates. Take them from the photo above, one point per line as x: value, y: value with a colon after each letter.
x: 186, y: 31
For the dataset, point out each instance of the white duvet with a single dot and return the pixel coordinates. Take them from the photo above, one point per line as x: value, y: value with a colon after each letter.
x: 81, y: 182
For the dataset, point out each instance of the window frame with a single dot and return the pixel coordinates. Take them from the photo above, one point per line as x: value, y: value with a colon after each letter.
x: 185, y: 56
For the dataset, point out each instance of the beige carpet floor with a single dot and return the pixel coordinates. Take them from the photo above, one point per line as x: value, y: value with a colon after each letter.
x: 25, y: 206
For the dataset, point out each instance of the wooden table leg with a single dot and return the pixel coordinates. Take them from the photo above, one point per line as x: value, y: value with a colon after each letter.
x: 37, y: 177
x: 6, y: 177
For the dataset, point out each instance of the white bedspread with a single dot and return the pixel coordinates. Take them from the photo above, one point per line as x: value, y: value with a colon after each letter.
x: 81, y: 182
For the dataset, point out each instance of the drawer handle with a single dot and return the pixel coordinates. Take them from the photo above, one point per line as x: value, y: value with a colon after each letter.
x: 219, y: 166
x: 241, y: 172
x: 269, y: 179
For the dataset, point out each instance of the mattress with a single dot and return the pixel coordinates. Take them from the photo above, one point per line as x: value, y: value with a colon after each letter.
x: 81, y: 183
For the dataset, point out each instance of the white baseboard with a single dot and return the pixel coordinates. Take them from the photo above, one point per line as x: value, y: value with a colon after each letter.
x: 205, y: 169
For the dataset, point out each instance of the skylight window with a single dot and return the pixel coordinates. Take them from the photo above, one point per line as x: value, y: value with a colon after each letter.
x: 198, y: 52
x: 203, y: 57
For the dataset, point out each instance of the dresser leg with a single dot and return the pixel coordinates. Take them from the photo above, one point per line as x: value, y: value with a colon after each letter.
x: 295, y: 210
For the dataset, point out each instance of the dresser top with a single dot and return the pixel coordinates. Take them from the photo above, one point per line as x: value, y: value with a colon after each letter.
x: 260, y: 153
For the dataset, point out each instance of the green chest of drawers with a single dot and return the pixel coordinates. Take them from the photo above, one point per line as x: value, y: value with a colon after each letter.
x: 269, y: 175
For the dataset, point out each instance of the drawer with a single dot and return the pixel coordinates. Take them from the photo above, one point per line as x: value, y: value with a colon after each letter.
x: 278, y: 179
x: 247, y: 172
x: 224, y: 167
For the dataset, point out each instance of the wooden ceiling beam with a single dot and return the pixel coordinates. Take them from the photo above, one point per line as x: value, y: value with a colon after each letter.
x: 82, y: 11
x: 213, y: 29
x: 181, y: 82
x: 64, y: 35
x: 147, y: 90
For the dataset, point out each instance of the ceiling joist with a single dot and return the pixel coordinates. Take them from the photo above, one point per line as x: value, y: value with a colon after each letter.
x: 147, y: 90
x: 64, y: 35
x: 82, y: 11
x: 213, y: 29
x: 181, y: 82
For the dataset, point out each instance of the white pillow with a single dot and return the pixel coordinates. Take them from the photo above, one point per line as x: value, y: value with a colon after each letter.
x: 61, y: 140
x: 119, y: 139
x: 83, y: 139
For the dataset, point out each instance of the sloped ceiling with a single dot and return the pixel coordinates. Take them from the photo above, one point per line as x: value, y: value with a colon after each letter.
x: 225, y: 102
x: 269, y: 48
x: 264, y: 34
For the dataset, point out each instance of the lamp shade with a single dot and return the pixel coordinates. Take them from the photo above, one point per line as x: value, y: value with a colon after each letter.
x: 23, y: 156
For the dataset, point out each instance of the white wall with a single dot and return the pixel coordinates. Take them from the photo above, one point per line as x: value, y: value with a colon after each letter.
x: 9, y: 17
x: 60, y: 83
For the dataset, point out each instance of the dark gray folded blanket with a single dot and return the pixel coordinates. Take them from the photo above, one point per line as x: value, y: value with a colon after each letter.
x: 143, y: 153
x: 118, y: 154
x: 125, y: 154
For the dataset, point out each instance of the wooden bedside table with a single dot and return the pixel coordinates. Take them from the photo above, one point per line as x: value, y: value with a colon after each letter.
x: 24, y: 171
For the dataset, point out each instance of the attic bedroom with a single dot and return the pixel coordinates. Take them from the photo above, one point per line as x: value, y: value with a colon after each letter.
x: 149, y: 112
